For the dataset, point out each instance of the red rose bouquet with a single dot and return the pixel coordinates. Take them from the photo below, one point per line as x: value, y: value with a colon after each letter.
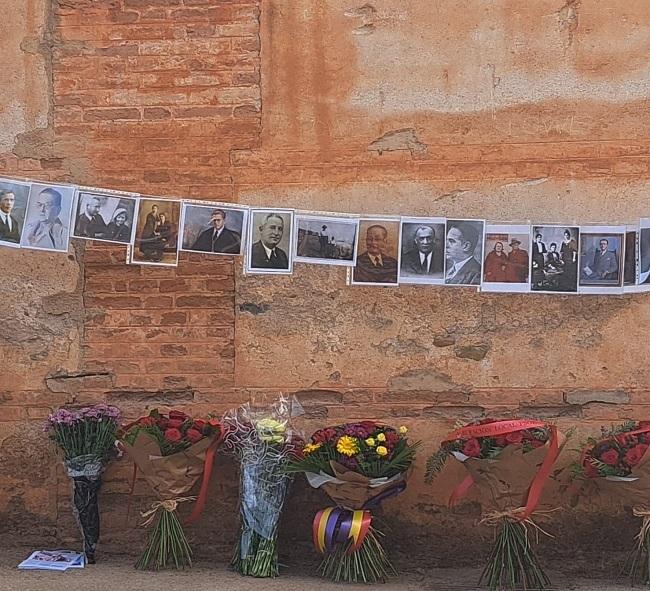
x: 358, y: 465
x: 509, y: 462
x: 172, y: 451
x: 87, y: 439
x: 617, y: 464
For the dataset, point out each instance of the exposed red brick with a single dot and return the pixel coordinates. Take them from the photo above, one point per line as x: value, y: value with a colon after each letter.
x: 111, y: 114
x: 156, y: 113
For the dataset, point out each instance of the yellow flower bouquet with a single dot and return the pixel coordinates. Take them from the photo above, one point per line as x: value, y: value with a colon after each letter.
x: 359, y: 465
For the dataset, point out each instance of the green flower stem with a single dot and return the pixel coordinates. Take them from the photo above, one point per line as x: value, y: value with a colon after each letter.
x: 512, y: 563
x: 637, y: 565
x: 262, y: 559
x: 369, y: 564
x: 167, y: 545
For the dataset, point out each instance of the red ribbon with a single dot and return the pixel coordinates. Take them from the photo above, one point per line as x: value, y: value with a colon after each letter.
x: 205, y: 483
x: 502, y: 428
x: 207, y: 473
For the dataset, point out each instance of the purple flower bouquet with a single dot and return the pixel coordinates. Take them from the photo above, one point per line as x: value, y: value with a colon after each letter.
x: 87, y: 437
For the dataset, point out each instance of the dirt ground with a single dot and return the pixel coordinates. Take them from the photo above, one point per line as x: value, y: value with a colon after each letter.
x: 116, y: 573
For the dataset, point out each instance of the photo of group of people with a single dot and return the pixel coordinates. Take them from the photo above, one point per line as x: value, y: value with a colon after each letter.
x: 378, y: 251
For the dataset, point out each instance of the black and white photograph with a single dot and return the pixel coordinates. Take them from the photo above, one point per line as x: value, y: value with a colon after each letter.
x: 631, y: 260
x: 464, y: 252
x: 377, y: 252
x: 602, y: 250
x: 269, y: 241
x: 554, y: 259
x: 213, y: 228
x: 644, y: 252
x: 47, y: 223
x: 156, y: 237
x: 506, y: 265
x: 422, y: 251
x: 13, y: 206
x: 104, y: 216
x: 326, y: 240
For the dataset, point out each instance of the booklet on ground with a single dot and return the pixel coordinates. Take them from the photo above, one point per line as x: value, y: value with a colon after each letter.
x: 53, y: 560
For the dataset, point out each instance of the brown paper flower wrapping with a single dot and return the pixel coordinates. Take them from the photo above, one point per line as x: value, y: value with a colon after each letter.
x: 630, y: 493
x: 355, y: 490
x: 503, y: 482
x: 172, y: 476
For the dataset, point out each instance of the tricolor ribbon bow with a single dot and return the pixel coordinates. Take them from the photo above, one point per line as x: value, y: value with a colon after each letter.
x: 336, y: 525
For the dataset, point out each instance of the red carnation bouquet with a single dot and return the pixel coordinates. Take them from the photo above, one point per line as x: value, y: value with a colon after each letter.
x: 172, y: 451
x: 617, y: 464
x: 509, y: 462
x: 359, y: 465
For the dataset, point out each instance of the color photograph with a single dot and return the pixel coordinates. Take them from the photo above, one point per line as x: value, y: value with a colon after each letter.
x: 506, y: 264
x: 213, y: 228
x: 156, y: 238
x: 13, y: 206
x: 464, y: 252
x: 554, y: 259
x: 422, y: 251
x: 326, y: 240
x: 601, y: 259
x: 47, y: 225
x: 107, y: 217
x: 269, y: 241
x: 377, y: 252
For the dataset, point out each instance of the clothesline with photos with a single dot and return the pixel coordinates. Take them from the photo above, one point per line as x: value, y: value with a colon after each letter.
x: 377, y: 250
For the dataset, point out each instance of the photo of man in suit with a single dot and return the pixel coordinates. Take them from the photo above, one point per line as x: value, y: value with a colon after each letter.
x: 9, y: 226
x: 463, y: 237
x: 601, y: 259
x: 218, y: 238
x: 90, y: 223
x: 44, y: 228
x: 423, y: 257
x: 375, y: 265
x: 266, y: 253
x: 605, y: 265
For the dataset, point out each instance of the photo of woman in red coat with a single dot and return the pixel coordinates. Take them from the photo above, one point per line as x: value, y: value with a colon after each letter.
x: 496, y: 265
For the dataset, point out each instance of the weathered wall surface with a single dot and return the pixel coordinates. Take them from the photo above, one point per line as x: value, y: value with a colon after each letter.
x: 512, y: 111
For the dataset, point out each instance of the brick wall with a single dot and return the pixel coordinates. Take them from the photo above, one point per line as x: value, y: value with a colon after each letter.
x: 328, y: 107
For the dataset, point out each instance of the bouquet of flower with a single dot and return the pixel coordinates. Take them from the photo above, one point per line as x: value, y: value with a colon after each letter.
x: 617, y: 463
x: 87, y: 438
x: 263, y: 441
x: 358, y: 465
x: 172, y: 451
x: 509, y: 462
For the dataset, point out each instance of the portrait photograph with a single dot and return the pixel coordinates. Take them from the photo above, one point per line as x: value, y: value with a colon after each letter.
x: 377, y: 260
x: 269, y: 241
x: 104, y: 216
x: 631, y: 260
x: 644, y: 252
x: 326, y: 240
x: 506, y: 262
x: 464, y: 252
x: 47, y: 223
x: 601, y: 259
x: 554, y: 259
x: 156, y: 235
x: 13, y: 206
x: 422, y: 251
x: 213, y: 228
